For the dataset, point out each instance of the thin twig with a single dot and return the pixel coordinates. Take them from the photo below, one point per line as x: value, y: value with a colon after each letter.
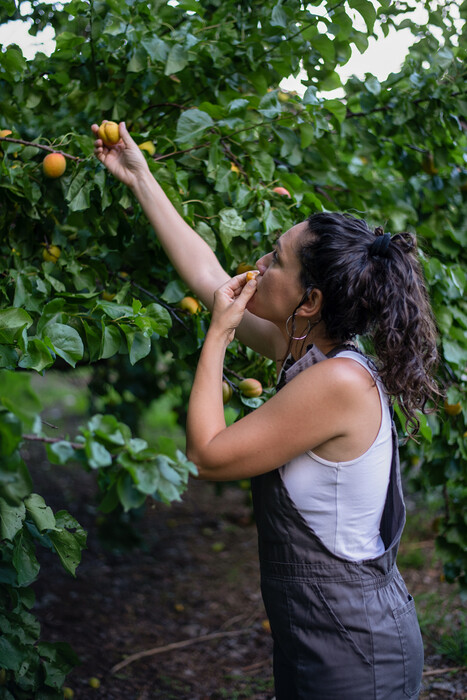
x: 38, y: 438
x: 39, y: 145
x: 177, y: 645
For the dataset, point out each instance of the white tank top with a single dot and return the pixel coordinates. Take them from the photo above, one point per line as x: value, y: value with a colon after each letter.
x: 342, y: 502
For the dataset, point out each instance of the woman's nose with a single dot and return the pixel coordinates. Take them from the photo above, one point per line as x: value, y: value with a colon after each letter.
x: 262, y: 263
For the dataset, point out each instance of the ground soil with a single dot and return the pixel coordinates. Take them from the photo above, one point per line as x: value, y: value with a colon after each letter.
x: 185, y: 598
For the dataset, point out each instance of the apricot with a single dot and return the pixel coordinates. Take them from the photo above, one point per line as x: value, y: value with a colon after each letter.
x: 109, y: 133
x: 251, y: 387
x: 148, y: 146
x: 190, y: 304
x: 452, y: 409
x: 252, y: 275
x: 282, y: 191
x: 54, y: 165
x: 227, y: 392
x: 4, y: 133
x: 51, y: 253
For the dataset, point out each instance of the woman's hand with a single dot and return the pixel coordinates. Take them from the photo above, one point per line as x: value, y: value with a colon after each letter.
x: 230, y: 302
x: 124, y: 160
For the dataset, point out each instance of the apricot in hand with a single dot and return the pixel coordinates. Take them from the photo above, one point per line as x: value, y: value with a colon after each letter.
x: 109, y: 133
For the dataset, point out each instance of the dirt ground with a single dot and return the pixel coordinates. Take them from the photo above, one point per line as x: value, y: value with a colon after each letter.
x: 185, y: 599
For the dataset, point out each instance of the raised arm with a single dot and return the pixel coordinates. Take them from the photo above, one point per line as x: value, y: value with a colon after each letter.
x: 191, y: 256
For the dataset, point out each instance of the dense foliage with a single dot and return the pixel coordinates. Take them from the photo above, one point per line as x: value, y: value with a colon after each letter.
x: 83, y: 279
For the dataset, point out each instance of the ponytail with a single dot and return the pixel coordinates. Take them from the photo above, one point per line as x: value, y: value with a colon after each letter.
x: 372, y: 285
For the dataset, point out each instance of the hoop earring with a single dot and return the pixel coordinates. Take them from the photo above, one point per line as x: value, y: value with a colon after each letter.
x: 296, y: 337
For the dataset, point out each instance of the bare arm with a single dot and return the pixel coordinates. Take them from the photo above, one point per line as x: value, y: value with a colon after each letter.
x: 191, y: 256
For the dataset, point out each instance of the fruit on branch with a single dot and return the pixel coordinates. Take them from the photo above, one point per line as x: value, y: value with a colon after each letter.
x: 452, y: 409
x: 190, y: 304
x: 227, y: 392
x: 51, y: 253
x: 251, y: 387
x: 4, y: 133
x: 109, y: 133
x: 54, y: 165
x: 282, y: 191
x: 148, y: 146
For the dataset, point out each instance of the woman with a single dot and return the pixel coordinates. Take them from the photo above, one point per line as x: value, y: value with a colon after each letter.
x: 322, y: 453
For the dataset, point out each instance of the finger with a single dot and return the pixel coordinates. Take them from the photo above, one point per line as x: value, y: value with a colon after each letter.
x: 124, y: 134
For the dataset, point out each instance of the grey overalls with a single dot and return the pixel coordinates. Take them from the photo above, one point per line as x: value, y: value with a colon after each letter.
x: 342, y: 630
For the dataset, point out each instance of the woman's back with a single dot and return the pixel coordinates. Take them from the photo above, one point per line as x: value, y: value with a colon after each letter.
x: 342, y: 501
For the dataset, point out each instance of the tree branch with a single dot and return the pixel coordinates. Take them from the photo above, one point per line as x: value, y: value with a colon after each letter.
x: 49, y: 440
x: 39, y: 145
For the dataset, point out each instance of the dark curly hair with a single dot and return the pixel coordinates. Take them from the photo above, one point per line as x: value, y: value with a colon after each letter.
x: 376, y: 291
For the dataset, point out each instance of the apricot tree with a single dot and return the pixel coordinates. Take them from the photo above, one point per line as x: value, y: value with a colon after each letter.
x: 199, y: 85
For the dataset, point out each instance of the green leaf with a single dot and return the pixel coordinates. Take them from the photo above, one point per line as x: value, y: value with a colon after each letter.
x: 111, y: 341
x: 98, y: 456
x: 128, y: 494
x: 57, y: 660
x: 10, y: 433
x: 11, y: 653
x: 66, y: 342
x: 367, y: 11
x: 41, y: 514
x: 192, y: 124
x: 37, y: 356
x: 68, y: 548
x: 12, y: 323
x: 278, y: 17
x: 16, y: 394
x: 161, y: 320
x: 269, y: 106
x: 60, y: 452
x: 231, y: 225
x: 24, y: 559
x: 337, y: 108
x: 11, y: 519
x: 176, y: 60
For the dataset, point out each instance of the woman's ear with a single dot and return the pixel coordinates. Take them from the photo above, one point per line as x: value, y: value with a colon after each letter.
x: 312, y: 306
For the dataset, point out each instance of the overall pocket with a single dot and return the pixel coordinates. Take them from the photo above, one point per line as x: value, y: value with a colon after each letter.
x: 412, y: 646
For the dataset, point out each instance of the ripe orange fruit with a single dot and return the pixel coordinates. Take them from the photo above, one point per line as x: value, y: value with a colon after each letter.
x: 252, y: 275
x: 4, y: 132
x: 51, y: 253
x: 452, y: 409
x: 190, y: 304
x: 282, y: 191
x: 251, y: 387
x: 54, y: 165
x: 148, y: 146
x: 109, y: 133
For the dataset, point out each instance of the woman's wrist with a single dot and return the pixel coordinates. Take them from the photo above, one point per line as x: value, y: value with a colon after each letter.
x: 143, y: 183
